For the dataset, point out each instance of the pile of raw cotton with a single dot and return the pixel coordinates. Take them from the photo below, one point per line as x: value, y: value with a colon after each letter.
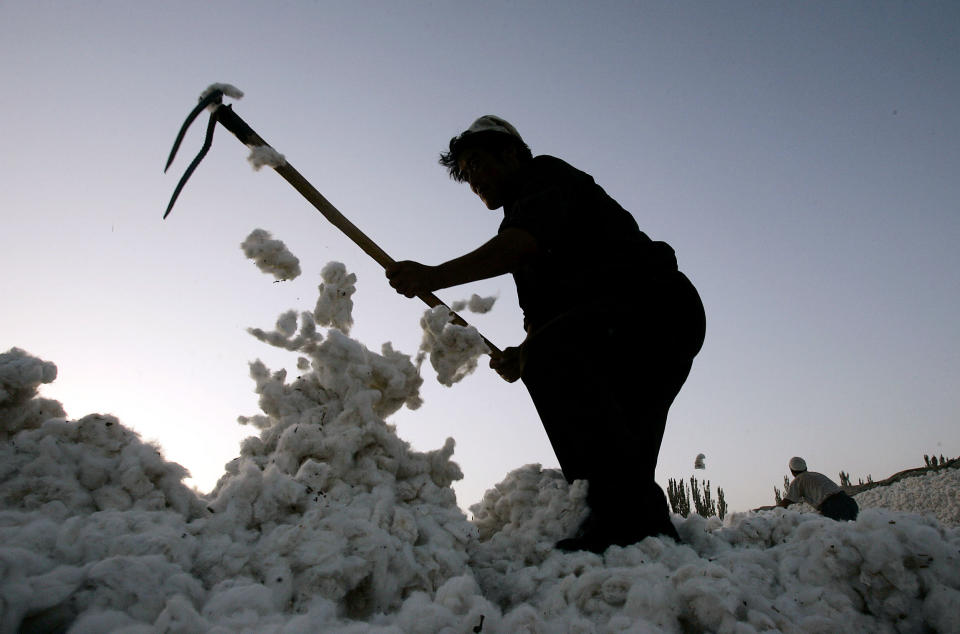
x: 327, y: 521
x: 936, y: 493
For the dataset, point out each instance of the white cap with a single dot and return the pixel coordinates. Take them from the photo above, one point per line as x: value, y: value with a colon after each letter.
x: 492, y: 123
x: 798, y: 464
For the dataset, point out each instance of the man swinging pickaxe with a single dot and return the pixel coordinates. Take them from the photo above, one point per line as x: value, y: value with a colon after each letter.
x: 212, y: 98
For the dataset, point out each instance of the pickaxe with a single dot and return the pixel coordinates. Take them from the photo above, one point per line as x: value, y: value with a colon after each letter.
x: 224, y: 114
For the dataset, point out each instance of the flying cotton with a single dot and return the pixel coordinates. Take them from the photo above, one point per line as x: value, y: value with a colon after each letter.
x: 270, y: 255
x: 475, y: 304
x: 334, y: 304
x: 453, y: 350
x: 328, y: 521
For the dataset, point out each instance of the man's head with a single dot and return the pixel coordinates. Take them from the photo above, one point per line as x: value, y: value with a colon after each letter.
x: 489, y: 155
x: 797, y: 465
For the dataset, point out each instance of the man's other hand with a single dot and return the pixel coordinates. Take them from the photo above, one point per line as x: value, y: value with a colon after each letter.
x: 412, y: 278
x: 509, y: 363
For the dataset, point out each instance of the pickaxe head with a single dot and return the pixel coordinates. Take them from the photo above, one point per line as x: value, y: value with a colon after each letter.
x: 210, y: 97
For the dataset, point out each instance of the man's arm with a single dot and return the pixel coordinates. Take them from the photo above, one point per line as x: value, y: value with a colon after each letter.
x: 501, y: 254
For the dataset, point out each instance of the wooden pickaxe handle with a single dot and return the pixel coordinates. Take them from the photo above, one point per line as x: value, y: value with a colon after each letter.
x: 232, y: 121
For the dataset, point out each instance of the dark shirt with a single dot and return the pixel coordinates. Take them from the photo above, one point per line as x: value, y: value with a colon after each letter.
x: 590, y: 249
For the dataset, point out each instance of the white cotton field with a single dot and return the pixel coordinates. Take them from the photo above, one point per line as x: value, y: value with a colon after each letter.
x: 328, y: 521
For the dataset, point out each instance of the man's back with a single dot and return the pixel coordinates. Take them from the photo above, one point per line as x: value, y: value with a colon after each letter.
x: 592, y: 250
x: 811, y: 487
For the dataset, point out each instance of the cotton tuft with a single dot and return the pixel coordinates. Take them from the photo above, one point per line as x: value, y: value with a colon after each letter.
x: 228, y: 90
x: 270, y: 255
x: 264, y: 155
x: 453, y: 350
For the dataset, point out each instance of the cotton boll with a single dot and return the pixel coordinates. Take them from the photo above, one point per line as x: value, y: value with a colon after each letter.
x: 373, y: 385
x: 614, y: 589
x: 404, y: 526
x: 524, y: 618
x: 258, y: 421
x: 103, y: 432
x: 285, y: 335
x: 238, y: 607
x: 228, y: 90
x: 453, y: 350
x: 271, y: 256
x: 278, y: 576
x: 585, y: 592
x: 22, y: 574
x: 287, y: 323
x: 21, y: 374
x: 334, y: 305
x: 135, y: 481
x: 93, y: 471
x: 479, y: 304
x: 398, y: 381
x: 760, y: 621
x: 112, y: 498
x: 419, y: 615
x: 99, y: 621
x: 261, y: 155
x: 179, y: 616
x: 941, y: 607
x: 710, y: 598
x: 475, y: 304
x: 314, y: 474
x: 133, y: 585
x: 320, y: 616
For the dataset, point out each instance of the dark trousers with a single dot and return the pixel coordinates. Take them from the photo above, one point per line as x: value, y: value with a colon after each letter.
x: 602, y: 382
x: 840, y: 506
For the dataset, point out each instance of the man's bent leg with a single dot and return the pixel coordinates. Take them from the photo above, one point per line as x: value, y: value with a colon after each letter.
x: 604, y: 408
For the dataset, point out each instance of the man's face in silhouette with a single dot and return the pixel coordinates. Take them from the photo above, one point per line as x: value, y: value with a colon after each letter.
x: 492, y: 174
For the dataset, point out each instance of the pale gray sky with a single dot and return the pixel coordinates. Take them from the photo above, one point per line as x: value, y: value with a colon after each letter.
x: 801, y: 158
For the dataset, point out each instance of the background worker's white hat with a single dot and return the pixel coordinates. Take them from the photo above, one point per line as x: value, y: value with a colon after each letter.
x: 798, y: 464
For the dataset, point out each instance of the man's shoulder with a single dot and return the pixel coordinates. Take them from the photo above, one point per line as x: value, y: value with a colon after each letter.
x: 548, y: 160
x: 807, y: 476
x: 544, y: 165
x: 814, y: 479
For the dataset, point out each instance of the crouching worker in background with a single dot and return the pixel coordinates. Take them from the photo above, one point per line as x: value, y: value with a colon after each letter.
x: 612, y: 325
x: 820, y: 492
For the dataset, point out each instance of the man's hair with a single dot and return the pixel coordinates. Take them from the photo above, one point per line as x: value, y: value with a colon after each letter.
x: 490, y: 141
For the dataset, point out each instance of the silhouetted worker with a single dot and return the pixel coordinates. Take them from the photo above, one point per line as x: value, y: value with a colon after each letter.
x: 612, y: 325
x: 818, y: 491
